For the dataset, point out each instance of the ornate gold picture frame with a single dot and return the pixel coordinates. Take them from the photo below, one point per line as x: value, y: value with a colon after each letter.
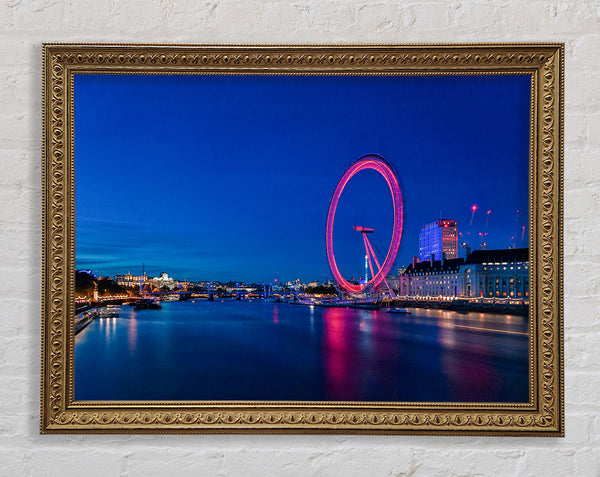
x: 66, y: 408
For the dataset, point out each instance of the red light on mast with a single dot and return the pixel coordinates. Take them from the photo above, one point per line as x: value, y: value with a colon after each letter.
x: 473, y: 208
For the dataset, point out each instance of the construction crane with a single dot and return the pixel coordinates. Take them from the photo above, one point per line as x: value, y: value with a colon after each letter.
x: 484, y: 234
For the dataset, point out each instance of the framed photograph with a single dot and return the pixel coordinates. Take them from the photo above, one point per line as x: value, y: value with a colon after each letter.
x: 302, y: 239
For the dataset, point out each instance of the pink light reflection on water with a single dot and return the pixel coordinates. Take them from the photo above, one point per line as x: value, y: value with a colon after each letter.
x: 339, y: 336
x: 360, y: 350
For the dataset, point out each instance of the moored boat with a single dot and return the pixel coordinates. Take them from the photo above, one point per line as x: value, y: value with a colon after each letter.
x: 401, y: 311
x: 110, y: 311
x: 147, y: 304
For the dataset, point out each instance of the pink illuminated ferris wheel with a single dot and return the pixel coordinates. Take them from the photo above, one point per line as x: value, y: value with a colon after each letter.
x: 379, y: 164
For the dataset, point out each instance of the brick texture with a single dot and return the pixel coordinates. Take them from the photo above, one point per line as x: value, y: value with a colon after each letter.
x: 26, y: 24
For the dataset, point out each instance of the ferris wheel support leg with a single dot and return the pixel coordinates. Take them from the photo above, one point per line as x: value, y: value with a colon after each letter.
x: 366, y: 240
x: 368, y: 244
x: 392, y: 294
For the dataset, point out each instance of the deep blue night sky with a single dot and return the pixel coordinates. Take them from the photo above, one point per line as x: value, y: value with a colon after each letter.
x: 230, y: 177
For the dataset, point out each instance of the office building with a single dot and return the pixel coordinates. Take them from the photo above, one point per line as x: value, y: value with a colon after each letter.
x: 437, y: 238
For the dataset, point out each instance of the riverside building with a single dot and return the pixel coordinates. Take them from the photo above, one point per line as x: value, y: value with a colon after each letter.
x: 130, y: 280
x: 484, y: 273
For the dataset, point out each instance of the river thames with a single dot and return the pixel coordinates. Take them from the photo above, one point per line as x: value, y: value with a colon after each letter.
x: 240, y: 350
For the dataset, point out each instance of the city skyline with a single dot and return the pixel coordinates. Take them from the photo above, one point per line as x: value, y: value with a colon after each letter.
x: 229, y: 178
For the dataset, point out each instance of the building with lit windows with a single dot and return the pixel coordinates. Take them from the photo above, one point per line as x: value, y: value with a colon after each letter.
x: 164, y: 281
x: 437, y: 238
x: 484, y: 273
x: 497, y: 274
x: 427, y: 278
x: 130, y: 280
x: 393, y: 281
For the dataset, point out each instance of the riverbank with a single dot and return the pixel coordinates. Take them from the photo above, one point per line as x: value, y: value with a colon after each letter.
x: 459, y: 304
x: 84, y: 317
x: 514, y: 307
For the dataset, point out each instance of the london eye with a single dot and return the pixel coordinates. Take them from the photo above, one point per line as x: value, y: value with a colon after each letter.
x: 380, y: 270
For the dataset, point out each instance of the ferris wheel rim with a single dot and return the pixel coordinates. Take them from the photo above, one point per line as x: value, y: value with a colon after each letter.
x: 383, y: 167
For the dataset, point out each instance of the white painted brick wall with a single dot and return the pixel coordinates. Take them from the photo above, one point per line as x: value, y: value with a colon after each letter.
x: 28, y: 23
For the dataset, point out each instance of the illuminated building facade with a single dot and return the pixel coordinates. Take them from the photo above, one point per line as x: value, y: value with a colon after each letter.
x: 484, y: 274
x: 437, y: 238
x: 160, y: 282
x: 440, y: 278
x: 497, y: 274
x: 130, y: 280
x: 164, y: 281
x: 393, y: 281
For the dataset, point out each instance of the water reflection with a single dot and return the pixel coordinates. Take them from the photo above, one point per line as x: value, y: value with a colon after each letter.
x: 339, y: 354
x: 132, y: 332
x: 264, y: 351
